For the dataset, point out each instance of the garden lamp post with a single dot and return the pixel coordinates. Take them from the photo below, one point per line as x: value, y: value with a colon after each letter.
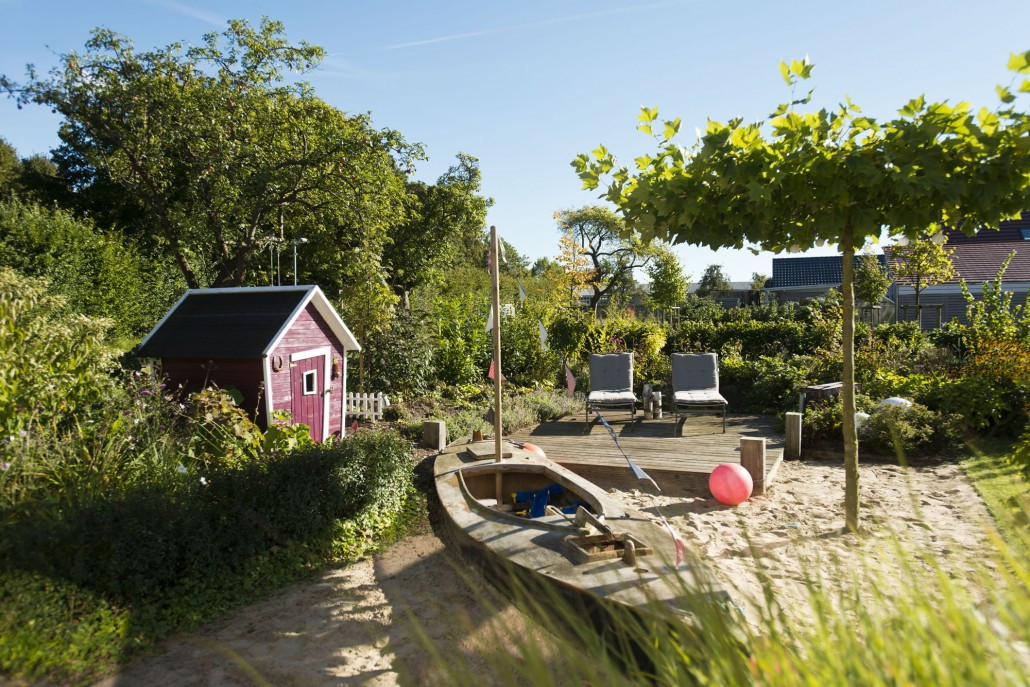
x: 295, y: 242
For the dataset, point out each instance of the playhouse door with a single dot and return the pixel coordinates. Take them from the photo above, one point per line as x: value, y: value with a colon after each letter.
x: 307, y: 381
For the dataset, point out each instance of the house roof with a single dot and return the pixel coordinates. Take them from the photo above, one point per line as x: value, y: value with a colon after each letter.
x: 978, y: 258
x: 236, y: 323
x: 823, y: 270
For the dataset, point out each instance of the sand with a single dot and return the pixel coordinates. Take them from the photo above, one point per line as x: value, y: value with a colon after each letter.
x: 795, y: 531
x: 354, y: 625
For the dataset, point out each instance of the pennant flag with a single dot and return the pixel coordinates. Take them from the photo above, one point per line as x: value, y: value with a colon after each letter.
x: 681, y: 548
x: 500, y: 249
x: 543, y: 335
x: 490, y: 260
x: 490, y: 374
x: 570, y: 379
x: 522, y: 291
x: 490, y: 320
x: 637, y: 472
x: 354, y: 426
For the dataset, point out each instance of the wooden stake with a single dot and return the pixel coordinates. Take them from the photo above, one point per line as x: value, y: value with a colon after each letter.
x: 792, y: 451
x: 752, y: 458
x: 496, y: 279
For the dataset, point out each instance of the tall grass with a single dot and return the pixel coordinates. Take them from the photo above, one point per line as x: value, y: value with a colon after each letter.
x: 860, y: 626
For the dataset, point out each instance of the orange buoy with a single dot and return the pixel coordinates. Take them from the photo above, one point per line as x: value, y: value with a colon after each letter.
x: 533, y: 448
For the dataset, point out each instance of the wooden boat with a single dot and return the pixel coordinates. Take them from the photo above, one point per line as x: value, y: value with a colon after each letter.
x: 598, y: 552
x: 531, y: 520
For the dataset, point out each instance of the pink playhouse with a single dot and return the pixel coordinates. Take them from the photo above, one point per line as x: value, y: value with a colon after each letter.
x: 282, y: 347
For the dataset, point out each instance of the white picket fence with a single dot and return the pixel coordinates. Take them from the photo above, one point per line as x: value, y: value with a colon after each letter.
x: 367, y: 405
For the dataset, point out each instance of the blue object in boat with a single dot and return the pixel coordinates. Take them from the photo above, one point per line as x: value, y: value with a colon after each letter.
x: 539, y: 498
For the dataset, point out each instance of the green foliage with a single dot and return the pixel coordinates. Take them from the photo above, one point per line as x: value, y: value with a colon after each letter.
x: 523, y: 359
x: 871, y: 279
x: 763, y: 384
x: 713, y: 282
x: 993, y: 317
x: 668, y: 281
x: 750, y: 337
x: 613, y: 251
x: 215, y: 148
x: 131, y: 568
x: 463, y: 345
x: 922, y: 263
x: 223, y: 435
x: 914, y: 431
x: 53, y: 364
x: 399, y: 359
x: 1020, y: 456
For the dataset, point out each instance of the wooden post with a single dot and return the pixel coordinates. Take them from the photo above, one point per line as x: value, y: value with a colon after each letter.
x: 752, y: 458
x: 792, y: 450
x: 496, y: 281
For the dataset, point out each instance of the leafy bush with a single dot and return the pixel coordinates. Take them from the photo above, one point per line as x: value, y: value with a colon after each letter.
x: 399, y: 360
x: 149, y: 539
x: 53, y: 364
x: 99, y: 274
x: 763, y: 384
x: 914, y: 431
x: 463, y: 346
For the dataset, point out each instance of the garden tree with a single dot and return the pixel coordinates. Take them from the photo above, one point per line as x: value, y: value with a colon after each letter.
x: 442, y: 220
x: 34, y: 177
x: 871, y: 279
x: 668, y: 282
x: 713, y: 281
x: 828, y: 175
x: 220, y: 152
x: 758, y: 281
x: 613, y: 251
x: 922, y: 263
x: 10, y: 167
x: 543, y: 266
x: 575, y: 272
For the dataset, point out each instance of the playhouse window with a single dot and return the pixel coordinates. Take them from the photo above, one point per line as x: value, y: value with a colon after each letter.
x: 310, y: 382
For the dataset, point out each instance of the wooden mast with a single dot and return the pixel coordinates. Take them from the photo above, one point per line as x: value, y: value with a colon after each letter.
x: 496, y: 280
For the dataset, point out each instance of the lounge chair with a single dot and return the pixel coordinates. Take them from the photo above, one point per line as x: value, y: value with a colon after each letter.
x: 695, y: 384
x: 611, y: 382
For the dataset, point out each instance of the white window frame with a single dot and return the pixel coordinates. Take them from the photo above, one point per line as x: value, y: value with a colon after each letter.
x: 313, y: 376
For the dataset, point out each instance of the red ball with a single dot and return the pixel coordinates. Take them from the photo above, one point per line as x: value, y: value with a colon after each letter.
x: 730, y: 484
x: 533, y: 448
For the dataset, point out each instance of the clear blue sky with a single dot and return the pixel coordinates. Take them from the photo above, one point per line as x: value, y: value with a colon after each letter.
x: 527, y: 85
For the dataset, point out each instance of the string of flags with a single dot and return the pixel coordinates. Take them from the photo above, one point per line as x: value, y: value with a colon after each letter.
x: 637, y: 471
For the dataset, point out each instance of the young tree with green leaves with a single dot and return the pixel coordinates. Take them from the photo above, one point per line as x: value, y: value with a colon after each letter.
x: 443, y: 220
x: 668, y: 281
x: 713, y: 281
x: 221, y: 153
x: 871, y: 279
x: 922, y: 263
x: 613, y: 250
x: 834, y: 176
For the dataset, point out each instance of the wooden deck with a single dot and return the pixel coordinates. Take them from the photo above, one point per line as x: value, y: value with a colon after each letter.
x: 679, y: 464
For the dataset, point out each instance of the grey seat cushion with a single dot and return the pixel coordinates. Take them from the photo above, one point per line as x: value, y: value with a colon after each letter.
x: 611, y: 372
x: 611, y: 397
x: 695, y: 372
x: 708, y: 397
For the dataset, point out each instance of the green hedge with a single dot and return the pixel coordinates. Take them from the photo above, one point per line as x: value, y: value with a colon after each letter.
x: 135, y: 544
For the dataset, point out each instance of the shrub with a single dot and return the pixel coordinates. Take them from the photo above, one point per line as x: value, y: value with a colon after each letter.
x: 53, y: 364
x: 913, y: 431
x: 144, y: 541
x: 463, y: 346
x: 764, y: 384
x: 399, y: 360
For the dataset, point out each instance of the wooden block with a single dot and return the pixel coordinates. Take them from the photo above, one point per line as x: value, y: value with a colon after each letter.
x: 434, y: 434
x: 792, y: 448
x: 752, y: 458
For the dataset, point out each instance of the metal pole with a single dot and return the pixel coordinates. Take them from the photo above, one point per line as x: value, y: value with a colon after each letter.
x: 294, y: 262
x: 495, y: 278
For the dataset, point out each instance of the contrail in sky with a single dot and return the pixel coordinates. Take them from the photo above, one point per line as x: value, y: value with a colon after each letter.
x: 534, y: 25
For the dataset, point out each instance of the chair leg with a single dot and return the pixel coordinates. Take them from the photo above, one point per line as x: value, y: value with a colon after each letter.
x: 724, y: 419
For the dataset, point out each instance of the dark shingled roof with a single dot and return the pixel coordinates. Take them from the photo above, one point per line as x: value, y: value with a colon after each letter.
x: 978, y: 258
x: 229, y: 324
x: 824, y: 270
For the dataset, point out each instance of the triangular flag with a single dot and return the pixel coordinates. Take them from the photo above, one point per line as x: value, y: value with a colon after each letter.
x: 522, y: 291
x: 490, y: 374
x: 570, y: 379
x: 681, y: 548
x: 500, y: 249
x: 543, y: 335
x: 637, y: 472
x: 490, y: 320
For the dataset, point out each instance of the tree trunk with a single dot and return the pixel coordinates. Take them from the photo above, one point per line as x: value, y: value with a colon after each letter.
x: 848, y: 392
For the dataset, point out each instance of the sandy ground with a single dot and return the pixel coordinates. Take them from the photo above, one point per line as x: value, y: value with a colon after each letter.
x: 354, y: 625
x: 795, y: 531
